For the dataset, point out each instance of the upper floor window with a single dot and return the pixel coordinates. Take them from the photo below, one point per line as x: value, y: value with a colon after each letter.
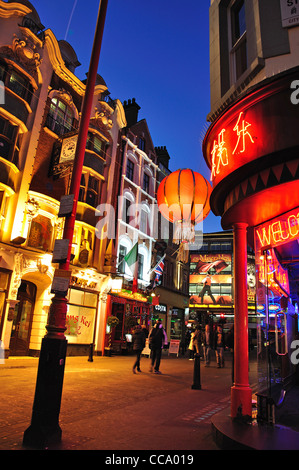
x: 141, y: 144
x: 60, y: 117
x: 40, y: 234
x: 9, y: 148
x: 239, y: 43
x: 146, y: 182
x: 121, y: 264
x: 16, y: 82
x: 130, y: 170
x: 95, y: 144
x: 89, y: 190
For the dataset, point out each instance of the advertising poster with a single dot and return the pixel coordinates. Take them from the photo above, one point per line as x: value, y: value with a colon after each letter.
x: 211, y: 278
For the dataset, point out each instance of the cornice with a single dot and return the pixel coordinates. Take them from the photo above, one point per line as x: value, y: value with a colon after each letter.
x: 58, y: 64
x: 7, y: 10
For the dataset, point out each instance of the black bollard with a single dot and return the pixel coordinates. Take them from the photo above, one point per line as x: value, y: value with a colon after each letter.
x: 196, y: 375
x: 90, y: 359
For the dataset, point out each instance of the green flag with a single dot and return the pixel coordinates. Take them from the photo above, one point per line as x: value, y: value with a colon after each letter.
x: 131, y: 258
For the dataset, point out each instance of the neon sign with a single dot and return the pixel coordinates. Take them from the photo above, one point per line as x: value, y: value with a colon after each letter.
x: 279, y: 230
x: 273, y: 275
x: 220, y: 154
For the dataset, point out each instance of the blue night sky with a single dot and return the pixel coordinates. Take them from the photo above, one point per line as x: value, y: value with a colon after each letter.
x: 156, y: 51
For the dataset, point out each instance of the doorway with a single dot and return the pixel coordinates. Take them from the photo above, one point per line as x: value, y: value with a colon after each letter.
x: 22, y: 321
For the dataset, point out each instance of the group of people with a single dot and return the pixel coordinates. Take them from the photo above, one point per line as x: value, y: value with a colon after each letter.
x: 209, y: 340
x: 157, y: 339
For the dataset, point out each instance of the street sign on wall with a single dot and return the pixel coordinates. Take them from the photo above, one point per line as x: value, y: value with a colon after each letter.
x: 289, y: 13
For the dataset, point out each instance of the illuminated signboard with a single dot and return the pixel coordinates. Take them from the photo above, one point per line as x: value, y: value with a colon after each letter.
x: 278, y: 231
x: 221, y: 154
x: 273, y: 275
x: 259, y: 124
x: 211, y: 279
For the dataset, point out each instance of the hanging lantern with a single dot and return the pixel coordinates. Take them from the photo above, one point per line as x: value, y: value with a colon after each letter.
x: 183, y: 199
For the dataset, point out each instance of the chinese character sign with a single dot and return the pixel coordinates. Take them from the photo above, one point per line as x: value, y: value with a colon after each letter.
x: 223, y: 151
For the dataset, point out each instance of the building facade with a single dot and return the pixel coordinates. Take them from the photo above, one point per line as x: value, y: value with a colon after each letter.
x: 142, y: 168
x: 251, y: 148
x: 39, y: 122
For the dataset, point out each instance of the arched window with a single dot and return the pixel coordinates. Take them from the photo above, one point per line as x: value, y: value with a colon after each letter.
x: 60, y: 117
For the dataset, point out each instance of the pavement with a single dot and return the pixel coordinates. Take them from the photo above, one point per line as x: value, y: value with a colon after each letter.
x: 105, y: 407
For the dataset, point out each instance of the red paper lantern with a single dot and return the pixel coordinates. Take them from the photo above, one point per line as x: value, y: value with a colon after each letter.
x: 184, y: 196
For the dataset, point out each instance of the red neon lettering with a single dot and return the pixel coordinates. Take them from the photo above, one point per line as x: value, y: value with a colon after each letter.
x: 242, y: 132
x: 277, y: 232
x: 220, y: 152
x: 264, y: 238
x: 293, y: 222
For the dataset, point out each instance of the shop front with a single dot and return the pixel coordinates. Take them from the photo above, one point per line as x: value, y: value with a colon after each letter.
x: 252, y: 151
x: 129, y: 308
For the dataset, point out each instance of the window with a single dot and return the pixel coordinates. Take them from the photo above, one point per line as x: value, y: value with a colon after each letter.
x: 146, y: 182
x: 40, y: 235
x: 3, y: 204
x: 16, y: 82
x: 130, y: 170
x: 80, y: 316
x: 95, y: 144
x: 126, y: 207
x: 239, y: 44
x: 121, y: 255
x: 140, y: 265
x: 89, y: 189
x: 60, y: 117
x: 9, y: 148
x: 141, y: 144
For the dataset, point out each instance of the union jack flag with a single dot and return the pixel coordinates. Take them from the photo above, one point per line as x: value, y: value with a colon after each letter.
x: 159, y: 271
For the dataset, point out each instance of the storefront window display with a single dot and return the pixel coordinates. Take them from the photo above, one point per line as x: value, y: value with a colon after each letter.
x: 81, y: 315
x: 177, y: 321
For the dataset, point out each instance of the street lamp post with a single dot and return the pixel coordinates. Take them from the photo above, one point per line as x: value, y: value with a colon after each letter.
x: 44, y: 429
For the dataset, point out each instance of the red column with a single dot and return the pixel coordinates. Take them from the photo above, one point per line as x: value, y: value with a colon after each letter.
x: 241, y: 393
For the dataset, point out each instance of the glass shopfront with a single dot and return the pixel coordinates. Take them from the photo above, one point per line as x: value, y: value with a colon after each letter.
x: 81, y: 314
x: 277, y: 267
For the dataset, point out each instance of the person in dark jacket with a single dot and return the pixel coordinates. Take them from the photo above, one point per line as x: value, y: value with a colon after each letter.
x: 138, y: 340
x: 157, y: 339
x: 219, y: 346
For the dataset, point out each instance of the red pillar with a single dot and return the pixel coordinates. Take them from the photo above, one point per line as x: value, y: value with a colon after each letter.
x: 241, y: 394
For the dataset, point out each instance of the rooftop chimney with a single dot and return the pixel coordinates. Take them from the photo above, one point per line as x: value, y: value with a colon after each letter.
x: 131, y: 110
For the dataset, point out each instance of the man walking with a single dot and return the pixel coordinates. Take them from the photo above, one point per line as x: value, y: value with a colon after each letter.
x: 157, y: 339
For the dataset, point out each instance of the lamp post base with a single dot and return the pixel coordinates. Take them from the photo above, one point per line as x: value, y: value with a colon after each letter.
x: 44, y: 429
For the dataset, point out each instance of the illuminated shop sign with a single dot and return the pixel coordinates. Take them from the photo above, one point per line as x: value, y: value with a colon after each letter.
x: 273, y: 275
x: 259, y: 124
x: 278, y: 231
x: 222, y: 151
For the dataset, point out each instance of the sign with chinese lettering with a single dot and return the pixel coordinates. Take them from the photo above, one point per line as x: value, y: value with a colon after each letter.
x: 278, y: 231
x: 258, y: 125
x: 289, y: 13
x: 222, y: 151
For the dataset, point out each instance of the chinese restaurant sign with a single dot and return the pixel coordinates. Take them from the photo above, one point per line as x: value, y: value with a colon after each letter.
x: 277, y: 231
x: 256, y: 126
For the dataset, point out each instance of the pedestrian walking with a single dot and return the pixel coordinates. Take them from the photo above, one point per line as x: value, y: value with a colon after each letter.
x: 138, y: 340
x: 219, y: 346
x: 207, y: 345
x: 157, y: 339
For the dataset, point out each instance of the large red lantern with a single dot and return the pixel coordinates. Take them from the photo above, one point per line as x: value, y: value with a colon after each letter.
x: 183, y: 198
